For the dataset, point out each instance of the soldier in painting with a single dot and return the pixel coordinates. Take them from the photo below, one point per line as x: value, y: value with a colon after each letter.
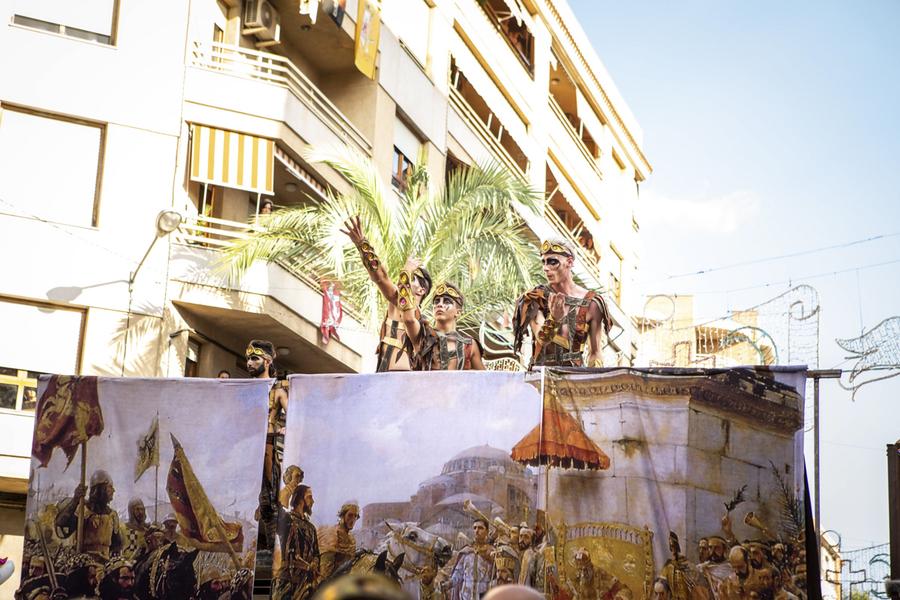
x: 677, y: 572
x: 472, y: 571
x: 336, y: 542
x: 101, y: 531
x: 118, y: 580
x: 299, y: 549
x: 134, y: 530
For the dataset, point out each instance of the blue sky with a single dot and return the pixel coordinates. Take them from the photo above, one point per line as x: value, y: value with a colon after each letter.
x: 774, y: 128
x: 377, y: 449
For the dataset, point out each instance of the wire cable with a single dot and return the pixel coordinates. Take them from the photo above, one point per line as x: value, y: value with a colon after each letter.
x: 757, y: 261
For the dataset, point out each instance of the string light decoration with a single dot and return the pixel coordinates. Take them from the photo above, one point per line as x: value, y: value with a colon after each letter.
x: 781, y: 330
x: 877, y: 355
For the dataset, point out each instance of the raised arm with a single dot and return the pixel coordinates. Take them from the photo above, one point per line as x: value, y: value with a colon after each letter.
x: 377, y: 273
x: 407, y: 301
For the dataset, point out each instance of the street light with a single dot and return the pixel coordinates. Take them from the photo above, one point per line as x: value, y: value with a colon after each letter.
x: 167, y: 221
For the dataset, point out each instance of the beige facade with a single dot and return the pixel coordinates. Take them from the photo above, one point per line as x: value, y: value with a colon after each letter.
x: 670, y: 336
x: 100, y: 131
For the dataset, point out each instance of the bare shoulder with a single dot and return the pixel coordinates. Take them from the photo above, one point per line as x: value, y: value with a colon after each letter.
x: 579, y: 292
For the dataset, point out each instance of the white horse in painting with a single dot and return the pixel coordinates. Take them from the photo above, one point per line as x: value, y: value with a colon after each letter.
x: 425, y: 553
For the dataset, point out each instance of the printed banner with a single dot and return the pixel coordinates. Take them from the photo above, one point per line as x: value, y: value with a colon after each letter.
x: 702, y: 496
x: 368, y: 30
x: 152, y: 492
x: 620, y: 484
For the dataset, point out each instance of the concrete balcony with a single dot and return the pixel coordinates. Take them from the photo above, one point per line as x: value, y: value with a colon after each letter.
x: 477, y: 30
x: 571, y: 150
x: 270, y: 86
x: 280, y: 301
x: 468, y: 127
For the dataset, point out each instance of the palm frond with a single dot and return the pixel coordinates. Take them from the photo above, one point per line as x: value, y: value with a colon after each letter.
x: 468, y: 232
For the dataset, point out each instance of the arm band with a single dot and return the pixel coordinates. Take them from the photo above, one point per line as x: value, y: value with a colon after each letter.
x: 370, y: 259
x: 404, y: 291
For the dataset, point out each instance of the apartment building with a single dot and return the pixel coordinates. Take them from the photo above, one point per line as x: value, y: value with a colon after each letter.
x: 670, y: 335
x: 138, y: 139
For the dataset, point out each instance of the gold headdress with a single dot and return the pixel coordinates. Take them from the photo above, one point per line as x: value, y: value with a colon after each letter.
x: 549, y: 247
x: 261, y: 348
x: 451, y: 291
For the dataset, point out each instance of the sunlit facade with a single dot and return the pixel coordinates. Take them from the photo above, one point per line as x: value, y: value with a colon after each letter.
x: 114, y: 111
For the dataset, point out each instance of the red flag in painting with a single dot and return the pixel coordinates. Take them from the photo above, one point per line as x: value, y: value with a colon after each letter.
x: 196, y: 515
x: 68, y: 414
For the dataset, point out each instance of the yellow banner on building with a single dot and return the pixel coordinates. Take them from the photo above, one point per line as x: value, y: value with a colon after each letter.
x: 231, y: 159
x: 368, y: 30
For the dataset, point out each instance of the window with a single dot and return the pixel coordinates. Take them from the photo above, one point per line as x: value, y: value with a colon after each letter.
x: 406, y: 150
x: 39, y: 339
x: 92, y: 20
x: 51, y: 166
x: 402, y: 170
x: 516, y: 33
x: 18, y: 389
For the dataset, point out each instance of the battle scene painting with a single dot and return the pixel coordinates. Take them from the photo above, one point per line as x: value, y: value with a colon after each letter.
x: 144, y: 488
x: 409, y: 475
x: 613, y: 484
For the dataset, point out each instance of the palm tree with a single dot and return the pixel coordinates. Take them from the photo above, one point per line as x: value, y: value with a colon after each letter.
x: 467, y: 233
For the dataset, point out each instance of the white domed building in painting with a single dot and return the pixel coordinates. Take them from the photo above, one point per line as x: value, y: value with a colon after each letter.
x: 497, y: 485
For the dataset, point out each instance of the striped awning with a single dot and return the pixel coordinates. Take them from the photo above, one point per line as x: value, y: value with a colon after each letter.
x: 234, y: 160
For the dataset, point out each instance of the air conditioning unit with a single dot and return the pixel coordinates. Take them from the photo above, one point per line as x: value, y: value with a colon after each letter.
x: 262, y: 20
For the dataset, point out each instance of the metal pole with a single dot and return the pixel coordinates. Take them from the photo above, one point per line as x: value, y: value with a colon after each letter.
x: 816, y: 375
x: 893, y: 464
x: 816, y: 480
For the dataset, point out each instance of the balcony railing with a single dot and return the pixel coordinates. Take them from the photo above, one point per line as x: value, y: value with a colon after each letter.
x: 218, y: 234
x: 214, y: 233
x: 474, y: 121
x: 278, y: 70
x: 579, y: 143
